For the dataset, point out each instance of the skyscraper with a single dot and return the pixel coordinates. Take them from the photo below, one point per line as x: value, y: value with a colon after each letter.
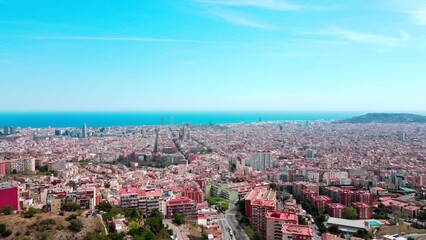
x: 6, y: 130
x: 260, y: 160
x: 84, y: 130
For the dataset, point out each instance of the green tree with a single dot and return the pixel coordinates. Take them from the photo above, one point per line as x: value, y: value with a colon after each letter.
x: 273, y: 185
x: 104, y: 206
x: 70, y: 207
x: 334, y: 230
x: 223, y: 207
x: 250, y: 232
x: 350, y: 213
x: 155, y: 224
x: 7, y: 210
x: 179, y: 219
x: 302, y: 220
x: 75, y: 225
x: 157, y: 214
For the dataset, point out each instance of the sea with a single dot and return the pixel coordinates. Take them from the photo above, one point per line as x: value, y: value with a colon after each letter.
x: 109, y: 119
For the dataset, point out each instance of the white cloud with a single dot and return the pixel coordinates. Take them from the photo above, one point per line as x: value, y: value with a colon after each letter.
x: 241, y: 20
x: 418, y: 16
x: 362, y: 37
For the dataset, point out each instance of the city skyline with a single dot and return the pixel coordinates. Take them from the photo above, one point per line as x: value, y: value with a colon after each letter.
x: 211, y: 55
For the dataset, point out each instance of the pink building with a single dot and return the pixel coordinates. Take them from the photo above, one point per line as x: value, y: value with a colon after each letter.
x: 296, y: 232
x: 9, y: 195
x: 274, y: 222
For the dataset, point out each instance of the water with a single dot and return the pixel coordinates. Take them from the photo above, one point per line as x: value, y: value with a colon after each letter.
x: 105, y: 119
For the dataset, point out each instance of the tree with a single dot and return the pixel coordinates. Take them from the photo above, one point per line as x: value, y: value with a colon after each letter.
x: 301, y: 220
x: 7, y: 210
x: 223, y: 207
x: 179, y: 219
x: 155, y: 224
x: 104, y: 206
x: 157, y: 214
x: 334, y: 230
x: 273, y: 186
x: 350, y: 213
x: 70, y: 207
x: 162, y: 235
x: 75, y: 225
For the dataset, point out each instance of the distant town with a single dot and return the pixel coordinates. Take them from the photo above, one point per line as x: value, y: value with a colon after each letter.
x: 289, y: 180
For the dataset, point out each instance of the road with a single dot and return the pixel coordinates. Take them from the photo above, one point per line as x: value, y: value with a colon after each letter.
x: 232, y: 221
x: 223, y: 223
x: 179, y: 233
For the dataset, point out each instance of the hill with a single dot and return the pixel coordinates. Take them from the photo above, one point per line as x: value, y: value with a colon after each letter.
x: 386, y: 118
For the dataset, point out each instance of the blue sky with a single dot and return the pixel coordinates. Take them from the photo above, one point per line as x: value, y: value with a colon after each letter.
x: 221, y: 55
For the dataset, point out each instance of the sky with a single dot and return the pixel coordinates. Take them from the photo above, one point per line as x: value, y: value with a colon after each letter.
x: 213, y: 55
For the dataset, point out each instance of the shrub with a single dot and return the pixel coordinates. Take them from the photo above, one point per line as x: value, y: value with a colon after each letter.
x: 31, y: 212
x: 6, y: 233
x: 7, y: 210
x: 179, y: 219
x: 71, y: 217
x: 70, y: 207
x: 75, y: 225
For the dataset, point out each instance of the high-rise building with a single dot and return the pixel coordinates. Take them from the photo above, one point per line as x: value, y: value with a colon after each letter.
x: 260, y: 160
x: 310, y: 153
x: 84, y: 130
x: 402, y: 136
x: 275, y: 221
x: 257, y: 203
x: 6, y: 130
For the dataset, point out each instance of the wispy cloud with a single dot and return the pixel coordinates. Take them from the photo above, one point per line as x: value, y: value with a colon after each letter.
x: 418, y: 16
x: 241, y: 20
x: 94, y: 38
x: 362, y: 37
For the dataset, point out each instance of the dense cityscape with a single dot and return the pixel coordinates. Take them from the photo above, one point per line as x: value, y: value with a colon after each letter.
x: 263, y: 180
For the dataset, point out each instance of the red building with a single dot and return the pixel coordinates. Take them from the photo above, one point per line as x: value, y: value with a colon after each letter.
x: 194, y: 193
x: 9, y: 195
x: 296, y: 232
x: 258, y: 202
x: 182, y: 205
x: 364, y: 210
x: 274, y: 222
x: 364, y: 196
x: 321, y: 202
x: 335, y: 210
x: 2, y: 168
x: 346, y: 197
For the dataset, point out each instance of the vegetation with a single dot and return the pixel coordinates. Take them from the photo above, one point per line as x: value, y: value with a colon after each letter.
x: 313, y: 210
x: 4, y: 232
x: 350, y: 213
x: 386, y: 118
x: 75, y: 225
x: 70, y: 207
x: 334, y: 230
x: 222, y: 204
x: 301, y: 220
x: 179, y: 219
x: 362, y: 233
x: 273, y: 185
x: 153, y: 227
x: 7, y: 210
x: 30, y: 212
x: 71, y: 217
x: 104, y: 206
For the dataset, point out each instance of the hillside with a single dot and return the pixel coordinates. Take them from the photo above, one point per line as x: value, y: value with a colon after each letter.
x: 386, y: 118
